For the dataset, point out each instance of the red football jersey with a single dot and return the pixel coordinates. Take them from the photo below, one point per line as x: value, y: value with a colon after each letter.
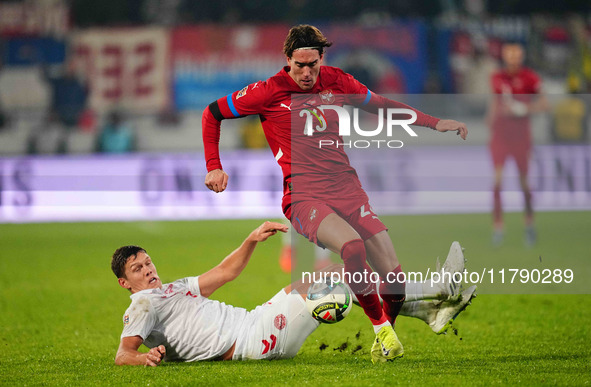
x: 525, y: 81
x: 519, y: 87
x: 287, y: 113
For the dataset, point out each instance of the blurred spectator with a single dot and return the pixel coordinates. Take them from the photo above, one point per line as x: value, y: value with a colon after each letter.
x: 68, y: 102
x: 569, y: 132
x: 169, y: 118
x: 115, y: 136
x: 476, y: 79
x: 569, y: 117
x: 251, y: 134
x: 44, y: 137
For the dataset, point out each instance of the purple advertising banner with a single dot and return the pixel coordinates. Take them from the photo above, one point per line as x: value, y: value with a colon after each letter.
x: 136, y: 187
x: 170, y: 186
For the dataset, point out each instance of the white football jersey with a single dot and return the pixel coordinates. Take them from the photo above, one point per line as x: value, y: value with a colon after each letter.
x: 190, y: 326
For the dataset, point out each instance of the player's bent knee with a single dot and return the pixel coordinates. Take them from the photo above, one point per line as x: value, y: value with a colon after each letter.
x: 333, y: 232
x: 353, y: 254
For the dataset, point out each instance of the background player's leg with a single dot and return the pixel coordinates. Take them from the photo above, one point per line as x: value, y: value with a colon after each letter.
x: 382, y: 257
x: 337, y: 235
x: 499, y: 151
x: 287, y: 255
x: 498, y: 227
x: 529, y: 211
x: 522, y: 161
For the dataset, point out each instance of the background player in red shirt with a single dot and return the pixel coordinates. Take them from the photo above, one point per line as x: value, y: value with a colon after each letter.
x: 515, y: 88
x: 323, y: 197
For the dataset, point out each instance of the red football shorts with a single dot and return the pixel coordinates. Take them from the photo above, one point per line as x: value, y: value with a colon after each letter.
x: 520, y: 152
x: 306, y: 216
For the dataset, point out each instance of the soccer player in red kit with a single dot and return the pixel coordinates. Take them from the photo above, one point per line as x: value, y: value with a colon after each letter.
x: 515, y: 88
x: 327, y: 203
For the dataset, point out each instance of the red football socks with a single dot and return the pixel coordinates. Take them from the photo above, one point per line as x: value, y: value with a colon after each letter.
x: 393, y: 294
x: 354, y: 257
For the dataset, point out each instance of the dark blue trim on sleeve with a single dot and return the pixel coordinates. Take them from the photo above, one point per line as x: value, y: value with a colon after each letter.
x: 367, y: 98
x: 231, y: 106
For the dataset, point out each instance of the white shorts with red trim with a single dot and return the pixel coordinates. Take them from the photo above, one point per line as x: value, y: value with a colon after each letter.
x: 275, y: 330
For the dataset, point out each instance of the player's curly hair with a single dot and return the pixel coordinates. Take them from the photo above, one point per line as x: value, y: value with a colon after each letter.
x: 120, y: 257
x: 304, y: 35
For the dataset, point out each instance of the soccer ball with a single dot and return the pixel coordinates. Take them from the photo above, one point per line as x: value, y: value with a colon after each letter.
x: 329, y: 302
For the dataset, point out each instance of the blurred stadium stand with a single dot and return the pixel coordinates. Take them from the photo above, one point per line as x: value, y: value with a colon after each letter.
x: 163, y: 61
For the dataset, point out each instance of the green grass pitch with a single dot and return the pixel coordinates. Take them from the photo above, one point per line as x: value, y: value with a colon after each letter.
x: 61, y: 308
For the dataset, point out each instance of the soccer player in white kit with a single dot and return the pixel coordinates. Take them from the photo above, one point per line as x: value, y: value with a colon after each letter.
x: 180, y: 323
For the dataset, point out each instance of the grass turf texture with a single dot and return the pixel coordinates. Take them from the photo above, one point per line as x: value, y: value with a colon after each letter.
x: 61, y: 307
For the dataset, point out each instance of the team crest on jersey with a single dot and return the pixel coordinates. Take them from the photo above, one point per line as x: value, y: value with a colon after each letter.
x: 280, y: 321
x: 126, y: 320
x: 242, y: 92
x: 327, y: 97
x: 313, y: 213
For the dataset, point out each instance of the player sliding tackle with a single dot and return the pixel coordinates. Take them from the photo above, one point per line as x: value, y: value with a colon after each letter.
x: 179, y: 322
x: 330, y: 208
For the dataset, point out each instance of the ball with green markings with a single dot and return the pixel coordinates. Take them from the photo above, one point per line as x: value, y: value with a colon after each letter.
x: 329, y: 302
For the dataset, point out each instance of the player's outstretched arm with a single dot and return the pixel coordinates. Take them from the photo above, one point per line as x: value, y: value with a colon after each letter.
x: 233, y: 264
x: 248, y: 101
x: 216, y: 180
x: 422, y: 119
x: 452, y: 125
x: 128, y: 354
